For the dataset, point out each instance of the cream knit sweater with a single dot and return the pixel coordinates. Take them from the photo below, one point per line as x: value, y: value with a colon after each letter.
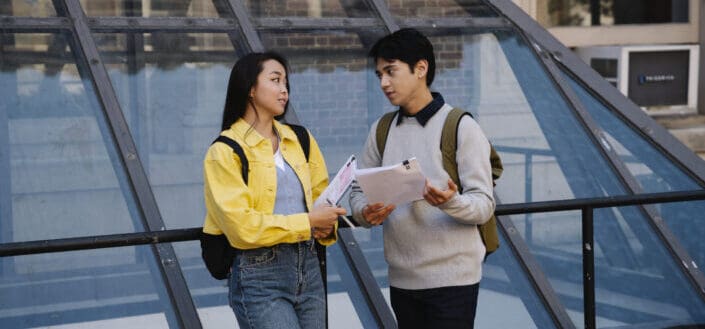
x: 427, y: 246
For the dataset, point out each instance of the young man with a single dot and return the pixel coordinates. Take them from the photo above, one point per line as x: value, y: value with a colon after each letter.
x: 432, y: 246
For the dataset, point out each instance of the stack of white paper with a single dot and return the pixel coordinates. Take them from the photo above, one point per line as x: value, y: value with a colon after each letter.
x: 339, y: 185
x: 396, y: 184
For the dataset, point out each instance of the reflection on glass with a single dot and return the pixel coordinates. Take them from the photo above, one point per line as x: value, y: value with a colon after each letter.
x: 653, y: 171
x: 59, y: 170
x: 503, y: 283
x: 171, y: 88
x: 347, y: 306
x: 157, y: 8
x: 209, y: 295
x: 104, y: 288
x: 546, y: 153
x: 440, y: 8
x: 330, y: 84
x: 308, y: 8
x: 34, y: 8
x: 624, y: 241
x: 611, y: 12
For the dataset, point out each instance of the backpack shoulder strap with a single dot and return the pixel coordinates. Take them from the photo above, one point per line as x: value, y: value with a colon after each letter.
x: 240, y: 153
x: 383, y: 130
x: 449, y: 144
x: 304, y: 138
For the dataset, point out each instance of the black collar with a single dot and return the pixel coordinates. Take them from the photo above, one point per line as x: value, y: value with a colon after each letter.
x: 427, y: 112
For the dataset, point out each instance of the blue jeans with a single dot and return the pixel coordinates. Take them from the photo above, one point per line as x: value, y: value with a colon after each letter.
x: 278, y: 287
x: 436, y: 308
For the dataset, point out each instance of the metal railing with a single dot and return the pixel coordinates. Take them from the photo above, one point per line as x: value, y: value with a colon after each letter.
x: 356, y: 260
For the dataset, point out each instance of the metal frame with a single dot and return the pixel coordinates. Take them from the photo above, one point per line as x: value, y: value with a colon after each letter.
x: 243, y: 18
x: 533, y: 269
x: 457, y: 22
x: 365, y: 279
x: 356, y: 260
x: 701, y: 78
x: 305, y: 23
x: 628, y: 181
x: 33, y: 24
x: 161, y: 24
x: 684, y: 260
x: 189, y: 234
x: 556, y: 58
x: 167, y: 261
x: 5, y: 172
x: 382, y: 10
x: 560, y: 54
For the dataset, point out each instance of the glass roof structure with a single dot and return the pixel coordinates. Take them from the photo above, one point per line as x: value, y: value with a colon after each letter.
x: 107, y: 109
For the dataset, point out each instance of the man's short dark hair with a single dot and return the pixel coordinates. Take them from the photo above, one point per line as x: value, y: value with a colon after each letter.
x: 409, y: 46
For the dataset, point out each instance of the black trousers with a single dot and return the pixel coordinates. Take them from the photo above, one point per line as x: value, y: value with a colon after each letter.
x: 437, y: 308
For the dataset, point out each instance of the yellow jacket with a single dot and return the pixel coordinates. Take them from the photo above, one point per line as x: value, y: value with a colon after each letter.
x: 244, y: 212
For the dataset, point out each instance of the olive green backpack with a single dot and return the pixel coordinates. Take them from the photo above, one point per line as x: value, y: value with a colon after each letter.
x: 449, y: 145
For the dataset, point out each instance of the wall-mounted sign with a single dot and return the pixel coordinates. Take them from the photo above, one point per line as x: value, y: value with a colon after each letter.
x: 658, y: 78
x: 643, y: 78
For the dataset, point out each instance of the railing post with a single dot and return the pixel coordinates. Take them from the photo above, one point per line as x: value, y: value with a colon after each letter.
x: 528, y: 195
x: 588, y: 268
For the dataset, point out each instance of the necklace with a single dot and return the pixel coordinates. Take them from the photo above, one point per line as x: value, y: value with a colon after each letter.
x: 275, y: 141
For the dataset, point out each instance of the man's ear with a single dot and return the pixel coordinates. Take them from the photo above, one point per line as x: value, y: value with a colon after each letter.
x: 421, y: 68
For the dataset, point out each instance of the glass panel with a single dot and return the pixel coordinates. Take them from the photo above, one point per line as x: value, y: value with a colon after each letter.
x: 546, y: 153
x: 637, y: 282
x: 503, y: 283
x: 157, y: 8
x: 171, y: 87
x: 33, y: 8
x: 329, y: 83
x: 308, y: 8
x: 653, y: 171
x: 623, y: 239
x: 347, y: 307
x: 440, y: 8
x: 61, y: 175
x: 210, y: 296
x: 612, y: 12
x: 105, y: 288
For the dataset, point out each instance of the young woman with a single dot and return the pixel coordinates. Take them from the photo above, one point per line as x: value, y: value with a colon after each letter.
x: 275, y: 280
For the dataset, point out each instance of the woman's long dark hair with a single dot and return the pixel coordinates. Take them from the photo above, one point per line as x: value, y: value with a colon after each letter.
x: 242, y: 78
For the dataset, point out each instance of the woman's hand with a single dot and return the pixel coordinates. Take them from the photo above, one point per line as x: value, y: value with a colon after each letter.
x: 323, y: 217
x: 321, y: 233
x: 376, y: 213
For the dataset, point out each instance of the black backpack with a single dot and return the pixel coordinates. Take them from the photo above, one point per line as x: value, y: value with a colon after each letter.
x: 216, y: 251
